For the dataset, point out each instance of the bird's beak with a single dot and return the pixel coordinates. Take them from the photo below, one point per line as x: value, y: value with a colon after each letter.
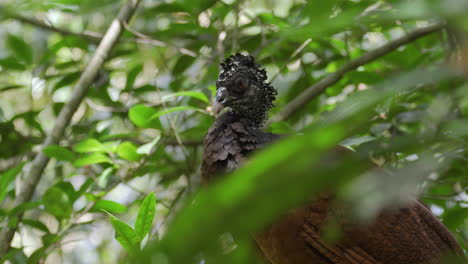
x: 221, y: 97
x: 216, y: 107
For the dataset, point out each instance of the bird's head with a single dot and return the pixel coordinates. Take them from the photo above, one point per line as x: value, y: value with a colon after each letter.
x: 242, y: 87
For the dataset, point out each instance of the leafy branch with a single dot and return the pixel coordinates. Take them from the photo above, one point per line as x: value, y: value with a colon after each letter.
x: 34, y: 173
x: 318, y: 88
x: 95, y: 37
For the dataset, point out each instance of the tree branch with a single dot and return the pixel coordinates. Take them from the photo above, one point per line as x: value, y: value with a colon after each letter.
x: 95, y: 37
x: 33, y: 175
x: 87, y: 35
x: 310, y: 93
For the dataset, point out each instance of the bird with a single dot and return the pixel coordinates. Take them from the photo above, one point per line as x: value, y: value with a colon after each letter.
x: 409, y: 234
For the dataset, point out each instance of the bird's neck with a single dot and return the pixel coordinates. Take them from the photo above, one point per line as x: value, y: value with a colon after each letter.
x: 255, y: 117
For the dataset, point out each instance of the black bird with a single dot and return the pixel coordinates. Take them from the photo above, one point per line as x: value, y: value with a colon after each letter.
x: 406, y: 235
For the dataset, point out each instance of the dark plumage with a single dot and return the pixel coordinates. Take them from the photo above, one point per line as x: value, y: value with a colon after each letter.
x: 404, y: 235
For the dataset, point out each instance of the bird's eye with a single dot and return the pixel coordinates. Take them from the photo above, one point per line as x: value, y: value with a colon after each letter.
x: 240, y: 85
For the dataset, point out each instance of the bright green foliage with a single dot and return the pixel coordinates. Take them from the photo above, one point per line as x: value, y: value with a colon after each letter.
x: 145, y: 216
x: 142, y: 115
x: 57, y: 202
x: 6, y: 178
x: 128, y: 151
x: 89, y: 145
x: 130, y: 238
x: 109, y: 206
x: 59, y: 153
x: 126, y: 236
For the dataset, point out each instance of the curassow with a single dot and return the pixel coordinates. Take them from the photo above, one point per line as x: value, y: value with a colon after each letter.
x: 405, y: 235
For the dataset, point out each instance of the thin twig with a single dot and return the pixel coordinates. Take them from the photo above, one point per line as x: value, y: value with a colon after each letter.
x: 318, y: 88
x: 142, y: 38
x: 96, y: 37
x: 86, y: 35
x: 293, y: 55
x: 171, y: 213
x: 33, y: 175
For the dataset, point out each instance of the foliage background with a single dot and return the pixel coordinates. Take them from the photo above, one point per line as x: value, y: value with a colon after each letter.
x: 140, y: 128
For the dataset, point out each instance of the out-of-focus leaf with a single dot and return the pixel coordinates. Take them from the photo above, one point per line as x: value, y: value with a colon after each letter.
x: 12, y: 64
x: 125, y: 234
x: 10, y: 87
x: 357, y: 140
x: 6, y: 178
x: 36, y: 224
x: 131, y: 76
x: 57, y: 202
x: 141, y: 116
x: 169, y: 8
x: 197, y: 6
x: 145, y: 216
x: 109, y: 206
x: 89, y: 145
x: 67, y: 80
x: 365, y: 77
x: 68, y: 188
x: 92, y: 159
x: 148, y: 147
x: 21, y: 49
x: 36, y: 256
x: 128, y: 151
x: 182, y: 64
x: 455, y: 217
x: 176, y: 109
x: 198, y: 95
x: 85, y: 186
x: 104, y: 177
x: 410, y: 116
x: 59, y: 153
x: 15, y: 255
x: 24, y: 207
x: 49, y: 239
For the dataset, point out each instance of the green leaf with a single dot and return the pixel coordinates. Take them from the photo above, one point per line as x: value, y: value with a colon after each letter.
x: 455, y: 217
x: 36, y: 224
x: 182, y: 64
x: 84, y: 187
x: 67, y: 80
x: 148, y: 147
x: 177, y: 108
x: 198, y: 95
x: 131, y: 76
x: 57, y: 202
x: 10, y: 87
x: 104, y: 177
x: 145, y: 216
x: 6, y: 178
x: 68, y: 188
x: 59, y: 153
x: 37, y: 256
x: 125, y: 234
x: 49, y: 239
x: 169, y: 8
x: 12, y: 64
x: 21, y: 49
x: 24, y: 207
x: 92, y: 159
x: 109, y: 206
x: 128, y: 151
x: 89, y: 145
x: 15, y: 255
x: 141, y: 115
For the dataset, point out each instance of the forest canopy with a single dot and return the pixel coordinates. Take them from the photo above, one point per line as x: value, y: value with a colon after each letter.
x: 104, y: 106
